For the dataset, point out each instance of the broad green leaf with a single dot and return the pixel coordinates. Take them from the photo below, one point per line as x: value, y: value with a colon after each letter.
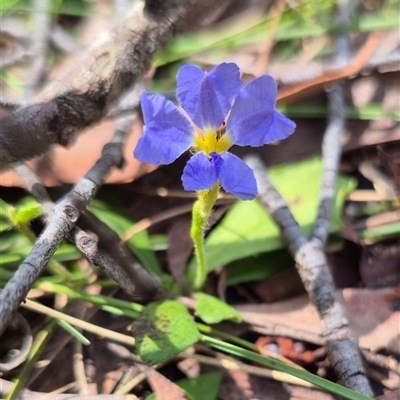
x: 164, y: 330
x: 139, y: 244
x: 257, y: 267
x: 212, y: 310
x: 197, y: 387
x: 247, y: 230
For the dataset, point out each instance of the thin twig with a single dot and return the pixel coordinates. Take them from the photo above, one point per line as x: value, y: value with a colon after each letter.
x: 26, y: 394
x: 84, y: 94
x: 310, y: 257
x: 78, y: 323
x: 135, y: 280
x: 331, y: 152
x: 65, y: 215
x: 314, y: 271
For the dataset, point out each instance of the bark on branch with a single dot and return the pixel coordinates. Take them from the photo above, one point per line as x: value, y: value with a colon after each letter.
x: 81, y: 97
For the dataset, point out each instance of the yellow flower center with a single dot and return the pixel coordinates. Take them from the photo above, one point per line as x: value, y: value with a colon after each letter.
x: 211, y: 141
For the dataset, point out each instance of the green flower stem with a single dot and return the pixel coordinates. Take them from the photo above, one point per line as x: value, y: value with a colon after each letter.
x: 202, y: 210
x: 279, y: 366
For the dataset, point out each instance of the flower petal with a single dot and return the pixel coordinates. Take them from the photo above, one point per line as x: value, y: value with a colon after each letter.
x: 207, y: 97
x: 251, y: 121
x: 167, y: 132
x: 188, y: 84
x: 199, y: 173
x: 237, y: 178
x: 280, y: 128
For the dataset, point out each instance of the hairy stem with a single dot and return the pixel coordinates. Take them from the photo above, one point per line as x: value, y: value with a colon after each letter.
x: 202, y: 209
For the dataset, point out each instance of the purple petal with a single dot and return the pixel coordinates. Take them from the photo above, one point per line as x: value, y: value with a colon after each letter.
x: 252, y: 113
x: 199, y: 173
x: 280, y: 128
x: 217, y: 161
x: 167, y: 133
x: 237, y: 178
x: 188, y: 84
x: 207, y: 97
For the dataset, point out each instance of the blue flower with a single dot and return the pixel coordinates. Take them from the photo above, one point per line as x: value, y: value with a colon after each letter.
x: 222, y: 113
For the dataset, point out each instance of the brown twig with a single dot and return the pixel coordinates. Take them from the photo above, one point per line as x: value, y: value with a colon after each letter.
x: 6, y: 386
x: 133, y: 280
x: 65, y: 215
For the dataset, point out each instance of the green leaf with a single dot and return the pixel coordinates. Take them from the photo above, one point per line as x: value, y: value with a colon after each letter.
x: 164, y: 330
x: 5, y: 224
x: 195, y: 388
x: 381, y: 232
x: 212, y: 310
x: 280, y: 366
x: 73, y: 332
x: 7, y: 5
x: 247, y: 230
x: 256, y: 268
x: 25, y: 214
x: 139, y: 244
x: 207, y: 383
x: 10, y: 259
x: 67, y: 252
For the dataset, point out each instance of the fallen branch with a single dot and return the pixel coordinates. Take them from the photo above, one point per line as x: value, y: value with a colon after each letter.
x: 132, y: 279
x: 311, y: 262
x: 63, y: 220
x: 83, y: 95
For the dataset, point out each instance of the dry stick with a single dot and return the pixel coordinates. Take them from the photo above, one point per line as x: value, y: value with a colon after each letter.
x: 83, y: 241
x: 6, y: 386
x: 312, y: 265
x: 65, y: 215
x: 313, y: 269
x: 147, y: 285
x: 331, y: 145
x: 144, y: 283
